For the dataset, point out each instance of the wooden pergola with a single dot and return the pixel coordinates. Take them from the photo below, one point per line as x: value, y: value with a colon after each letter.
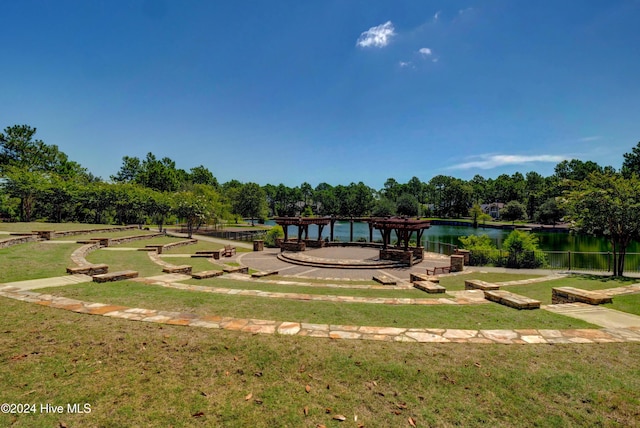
x: 303, y: 225
x: 403, y: 227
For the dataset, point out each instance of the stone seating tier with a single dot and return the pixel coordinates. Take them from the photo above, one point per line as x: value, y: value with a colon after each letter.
x: 264, y: 273
x: 207, y: 274
x: 236, y: 269
x: 384, y: 280
x: 186, y: 269
x: 94, y: 269
x: 429, y: 287
x: 115, y: 276
x: 413, y: 277
x: 511, y: 299
x: 571, y: 295
x: 476, y: 284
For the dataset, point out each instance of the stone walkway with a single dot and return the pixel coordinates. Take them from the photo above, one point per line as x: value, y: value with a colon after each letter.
x: 390, y: 334
x: 618, y: 326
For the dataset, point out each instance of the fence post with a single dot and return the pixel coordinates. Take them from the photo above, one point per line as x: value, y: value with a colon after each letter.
x: 569, y: 253
x: 608, y: 261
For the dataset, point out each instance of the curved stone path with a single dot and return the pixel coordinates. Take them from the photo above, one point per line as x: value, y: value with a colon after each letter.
x: 22, y: 291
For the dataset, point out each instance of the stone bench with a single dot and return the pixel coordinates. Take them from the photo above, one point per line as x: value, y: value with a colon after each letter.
x: 215, y: 254
x: 236, y: 269
x: 207, y: 274
x: 429, y: 287
x: 96, y: 269
x: 186, y: 269
x: 413, y: 277
x: 511, y: 299
x: 115, y: 276
x: 572, y: 295
x: 438, y: 269
x: 476, y: 284
x: 264, y: 273
x: 384, y: 280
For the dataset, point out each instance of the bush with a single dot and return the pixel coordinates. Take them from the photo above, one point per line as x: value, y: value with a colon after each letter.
x: 273, y: 233
x: 482, y: 250
x: 522, y: 250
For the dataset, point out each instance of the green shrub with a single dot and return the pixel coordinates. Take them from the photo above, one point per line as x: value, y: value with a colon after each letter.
x: 274, y: 233
x: 522, y: 251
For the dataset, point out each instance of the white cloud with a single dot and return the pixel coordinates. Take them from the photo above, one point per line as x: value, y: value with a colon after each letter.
x: 588, y: 139
x: 425, y: 51
x: 494, y: 161
x: 405, y: 64
x: 437, y: 15
x: 376, y: 36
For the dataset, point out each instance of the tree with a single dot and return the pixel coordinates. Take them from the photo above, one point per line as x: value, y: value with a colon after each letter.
x: 550, y: 212
x: 25, y: 185
x: 607, y: 205
x: 252, y: 202
x: 193, y: 209
x: 201, y: 175
x: 18, y: 149
x: 523, y: 251
x: 476, y: 212
x: 631, y: 163
x: 408, y: 205
x: 383, y: 207
x: 513, y: 211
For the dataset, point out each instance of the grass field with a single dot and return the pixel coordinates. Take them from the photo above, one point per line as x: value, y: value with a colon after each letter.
x: 439, y: 316
x: 35, y: 260
x: 137, y: 374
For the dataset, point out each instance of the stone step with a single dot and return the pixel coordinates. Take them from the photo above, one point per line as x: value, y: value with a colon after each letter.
x: 207, y: 274
x: 384, y: 280
x: 186, y: 269
x: 571, y: 295
x: 414, y: 277
x: 115, y: 276
x: 511, y: 299
x: 91, y: 270
x: 476, y: 284
x: 429, y: 287
x: 236, y: 269
x: 264, y: 273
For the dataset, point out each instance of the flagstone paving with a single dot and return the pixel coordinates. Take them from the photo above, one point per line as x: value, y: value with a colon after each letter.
x: 618, y: 326
x: 345, y: 332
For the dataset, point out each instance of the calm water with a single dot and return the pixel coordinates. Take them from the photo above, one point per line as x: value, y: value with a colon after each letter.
x: 450, y: 234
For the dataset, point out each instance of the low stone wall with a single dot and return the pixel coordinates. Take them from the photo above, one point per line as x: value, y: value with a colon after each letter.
x: 51, y: 234
x: 179, y: 244
x: 561, y: 295
x: 397, y: 255
x: 314, y: 243
x: 16, y: 240
x: 124, y: 240
x: 80, y: 254
x: 292, y: 246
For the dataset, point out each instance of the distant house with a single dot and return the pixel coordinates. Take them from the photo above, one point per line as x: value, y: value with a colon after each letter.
x: 493, y: 209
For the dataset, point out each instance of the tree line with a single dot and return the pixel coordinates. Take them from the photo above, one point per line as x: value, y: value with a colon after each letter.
x: 39, y: 182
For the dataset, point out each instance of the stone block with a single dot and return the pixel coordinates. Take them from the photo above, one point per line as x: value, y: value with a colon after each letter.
x: 476, y: 284
x: 115, y: 276
x: 429, y: 287
x: 572, y: 295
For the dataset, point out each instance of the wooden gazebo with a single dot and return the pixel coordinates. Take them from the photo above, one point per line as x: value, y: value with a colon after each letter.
x: 404, y: 229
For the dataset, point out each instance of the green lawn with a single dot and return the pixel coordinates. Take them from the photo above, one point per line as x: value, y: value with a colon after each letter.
x: 542, y: 291
x: 119, y: 234
x: 456, y: 282
x: 629, y: 303
x: 35, y: 260
x: 139, y: 374
x: 487, y: 316
x: 316, y: 289
x: 34, y: 225
x: 126, y: 260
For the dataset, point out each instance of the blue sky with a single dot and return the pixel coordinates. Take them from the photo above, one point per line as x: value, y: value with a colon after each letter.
x: 335, y: 91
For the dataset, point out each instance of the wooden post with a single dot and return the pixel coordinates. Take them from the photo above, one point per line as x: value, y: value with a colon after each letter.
x: 351, y: 230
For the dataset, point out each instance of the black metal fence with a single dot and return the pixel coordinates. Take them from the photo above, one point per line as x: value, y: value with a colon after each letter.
x: 564, y: 260
x: 244, y: 235
x: 440, y: 248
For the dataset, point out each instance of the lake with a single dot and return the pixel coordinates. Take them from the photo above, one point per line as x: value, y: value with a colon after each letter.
x: 549, y: 241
